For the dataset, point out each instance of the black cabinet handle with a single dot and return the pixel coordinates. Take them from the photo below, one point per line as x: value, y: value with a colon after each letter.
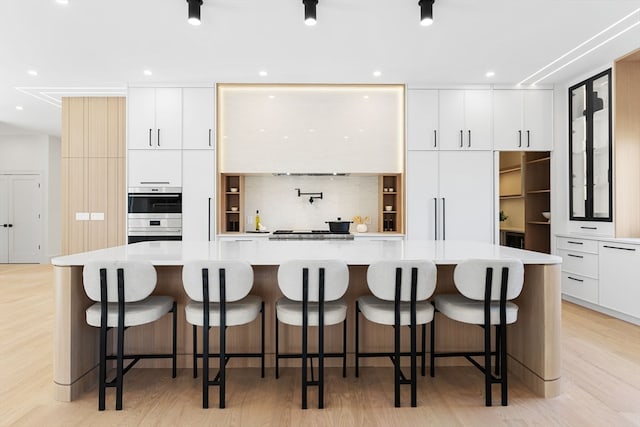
x: 528, y: 138
x: 435, y: 138
x: 435, y: 218
x: 150, y: 130
x: 469, y: 139
x: 158, y: 137
x: 209, y: 141
x: 209, y: 217
x: 588, y: 228
x: 444, y: 230
x: 575, y: 256
x: 460, y: 138
x: 575, y: 243
x: 573, y: 278
x: 5, y: 225
x: 519, y: 138
x: 10, y: 225
x: 617, y: 247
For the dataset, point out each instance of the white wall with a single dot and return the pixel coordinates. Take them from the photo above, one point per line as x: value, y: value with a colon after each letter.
x: 281, y: 208
x: 38, y: 153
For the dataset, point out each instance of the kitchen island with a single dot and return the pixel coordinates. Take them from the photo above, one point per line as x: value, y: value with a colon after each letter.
x: 533, y: 342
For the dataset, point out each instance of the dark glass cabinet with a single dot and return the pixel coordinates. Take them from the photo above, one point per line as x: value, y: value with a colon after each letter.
x: 590, y: 192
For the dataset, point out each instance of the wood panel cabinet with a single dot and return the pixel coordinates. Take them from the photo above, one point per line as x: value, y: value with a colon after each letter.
x: 522, y: 120
x: 465, y: 119
x: 155, y: 118
x: 198, y: 112
x: 450, y: 195
x: 93, y: 173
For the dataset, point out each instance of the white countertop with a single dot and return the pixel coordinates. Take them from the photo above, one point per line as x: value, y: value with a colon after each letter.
x: 265, y: 252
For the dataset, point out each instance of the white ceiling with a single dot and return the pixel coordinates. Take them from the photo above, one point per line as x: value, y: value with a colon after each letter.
x: 108, y: 43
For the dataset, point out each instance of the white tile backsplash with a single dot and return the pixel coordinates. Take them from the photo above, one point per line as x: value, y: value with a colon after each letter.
x: 280, y: 207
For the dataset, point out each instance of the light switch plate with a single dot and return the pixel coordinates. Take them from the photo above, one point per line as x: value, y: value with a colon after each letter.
x: 82, y: 216
x: 97, y: 216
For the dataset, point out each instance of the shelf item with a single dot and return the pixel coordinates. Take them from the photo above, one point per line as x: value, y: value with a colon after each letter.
x: 231, y: 205
x: 589, y: 100
x: 390, y: 196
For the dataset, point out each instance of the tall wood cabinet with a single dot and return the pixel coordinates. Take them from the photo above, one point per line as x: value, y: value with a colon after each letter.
x: 93, y: 173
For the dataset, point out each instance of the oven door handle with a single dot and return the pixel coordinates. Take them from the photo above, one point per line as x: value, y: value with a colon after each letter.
x: 154, y: 195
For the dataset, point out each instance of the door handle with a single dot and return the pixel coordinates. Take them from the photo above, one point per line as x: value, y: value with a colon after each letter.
x: 158, y: 137
x: 519, y: 138
x: 150, y: 130
x: 469, y: 139
x: 10, y: 225
x: 444, y: 216
x: 209, y: 217
x: 573, y: 278
x: 435, y: 218
x: 460, y: 138
x: 5, y: 225
x: 575, y: 256
x: 528, y: 138
x: 619, y: 248
x: 209, y: 144
x: 435, y: 138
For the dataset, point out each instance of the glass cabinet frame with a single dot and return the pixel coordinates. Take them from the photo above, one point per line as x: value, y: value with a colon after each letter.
x: 590, y: 153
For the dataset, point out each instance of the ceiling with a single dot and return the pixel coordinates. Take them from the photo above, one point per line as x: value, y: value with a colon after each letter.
x: 105, y: 45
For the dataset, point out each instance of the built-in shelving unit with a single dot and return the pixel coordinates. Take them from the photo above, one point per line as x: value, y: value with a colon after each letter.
x: 390, y: 203
x: 232, y: 213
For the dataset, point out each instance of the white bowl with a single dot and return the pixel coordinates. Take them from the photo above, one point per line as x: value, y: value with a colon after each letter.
x: 234, y: 208
x: 547, y: 215
x: 233, y: 189
x: 388, y: 208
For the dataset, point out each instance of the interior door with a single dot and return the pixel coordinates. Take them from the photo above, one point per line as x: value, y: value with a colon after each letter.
x: 4, y: 219
x: 25, y: 215
x: 467, y: 195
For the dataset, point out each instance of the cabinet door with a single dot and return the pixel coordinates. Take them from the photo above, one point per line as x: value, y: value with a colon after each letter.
x: 619, y: 271
x: 422, y: 119
x: 477, y: 120
x: 507, y: 120
x: 152, y: 168
x: 4, y: 219
x: 466, y: 191
x: 422, y: 195
x: 198, y: 118
x: 538, y: 120
x: 198, y: 203
x: 451, y: 111
x: 169, y: 118
x: 141, y: 112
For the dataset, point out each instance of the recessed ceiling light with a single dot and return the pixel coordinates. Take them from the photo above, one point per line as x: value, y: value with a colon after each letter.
x: 377, y: 73
x: 271, y: 96
x: 19, y: 107
x: 263, y: 73
x: 147, y: 72
x: 490, y: 74
x: 32, y: 72
x: 365, y: 97
x: 64, y: 2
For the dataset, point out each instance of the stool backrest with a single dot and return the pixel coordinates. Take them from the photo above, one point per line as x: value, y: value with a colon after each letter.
x: 139, y: 279
x: 238, y: 279
x: 470, y: 278
x: 381, y: 278
x: 336, y: 279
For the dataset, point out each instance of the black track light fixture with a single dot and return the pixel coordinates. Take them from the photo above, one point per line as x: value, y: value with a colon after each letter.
x: 194, y: 11
x: 310, y: 11
x: 426, y: 12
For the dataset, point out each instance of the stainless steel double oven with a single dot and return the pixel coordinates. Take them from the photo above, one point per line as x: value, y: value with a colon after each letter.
x: 154, y: 213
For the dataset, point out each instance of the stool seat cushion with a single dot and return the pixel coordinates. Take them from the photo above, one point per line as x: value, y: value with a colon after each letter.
x: 290, y: 312
x: 238, y: 312
x: 136, y: 313
x: 462, y: 309
x: 383, y: 312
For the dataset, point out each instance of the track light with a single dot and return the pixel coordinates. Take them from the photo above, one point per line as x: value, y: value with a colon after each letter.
x: 194, y: 11
x: 426, y: 12
x: 310, y: 11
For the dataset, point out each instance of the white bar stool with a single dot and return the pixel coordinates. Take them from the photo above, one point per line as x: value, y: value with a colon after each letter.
x: 219, y: 292
x: 312, y: 297
x: 123, y: 294
x: 486, y: 288
x: 400, y: 291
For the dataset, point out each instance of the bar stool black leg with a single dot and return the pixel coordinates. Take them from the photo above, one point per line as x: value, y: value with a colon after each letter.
x: 503, y: 367
x: 344, y: 349
x: 321, y: 363
x: 175, y: 340
x: 277, y: 357
x: 357, y: 349
x: 304, y: 365
x: 424, y: 349
x: 432, y: 341
x: 195, y: 352
x: 103, y: 366
x: 396, y: 365
x: 487, y: 364
x: 223, y: 350
x: 498, y: 353
x: 119, y: 367
x: 205, y: 366
x: 414, y: 367
x: 262, y: 345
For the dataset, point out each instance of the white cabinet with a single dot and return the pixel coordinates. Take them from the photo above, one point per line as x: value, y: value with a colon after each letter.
x: 198, y: 192
x: 155, y: 118
x: 579, y: 268
x: 465, y: 119
x: 619, y: 277
x: 522, y: 120
x: 422, y: 119
x: 450, y: 195
x: 198, y: 118
x: 152, y: 168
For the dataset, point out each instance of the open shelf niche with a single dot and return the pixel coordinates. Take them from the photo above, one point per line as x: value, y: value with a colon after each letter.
x: 390, y: 203
x: 232, y: 187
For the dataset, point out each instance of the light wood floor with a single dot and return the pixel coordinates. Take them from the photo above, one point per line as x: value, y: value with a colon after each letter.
x: 601, y: 371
